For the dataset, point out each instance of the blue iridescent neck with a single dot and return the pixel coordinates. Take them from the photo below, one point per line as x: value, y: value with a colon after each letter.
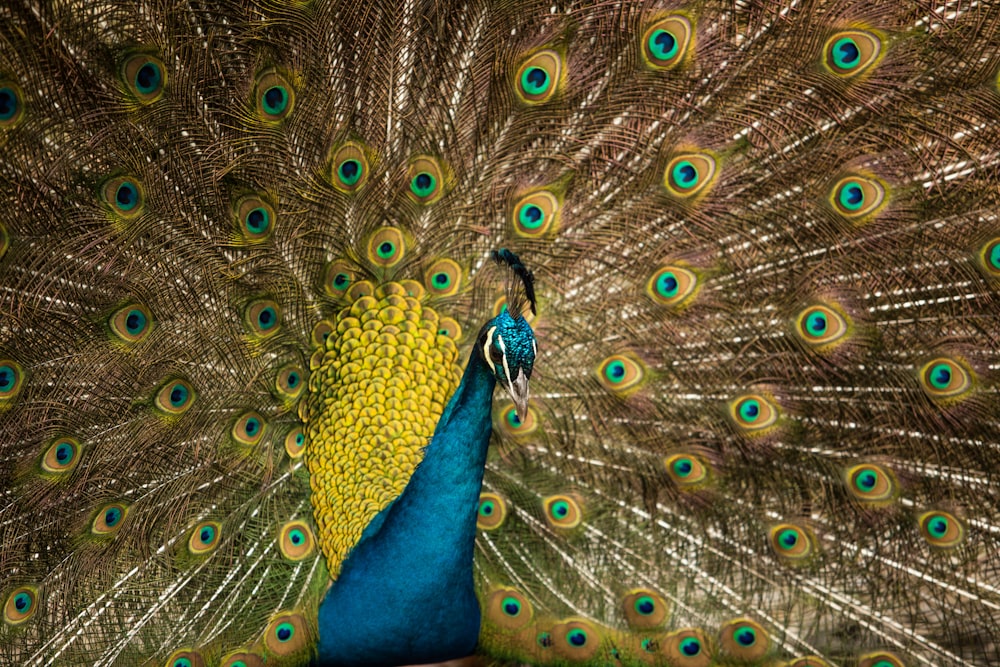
x: 406, y: 593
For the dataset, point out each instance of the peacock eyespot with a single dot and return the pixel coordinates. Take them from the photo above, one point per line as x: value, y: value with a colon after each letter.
x: 295, y: 443
x: 296, y: 541
x: 849, y: 53
x: 744, y: 639
x: 21, y: 605
x: 386, y: 247
x: 644, y: 609
x: 290, y: 382
x: 562, y: 512
x: 821, y: 327
x: 989, y: 256
x: 338, y: 278
x: 666, y: 43
x: 538, y: 77
x: 857, y: 197
x: 449, y: 328
x: 946, y: 379
x: 185, y: 658
x: 620, y: 374
x: 672, y: 286
x: 145, y: 76
x: 880, y: 659
x: 61, y: 456
x: 425, y: 180
x: 11, y: 104
x: 491, y: 511
x: 11, y: 380
x: 443, y: 278
x: 791, y: 542
x: 241, y: 659
x: 508, y: 608
x: 689, y: 175
x: 513, y: 425
x: 274, y: 96
x: 576, y: 637
x: 204, y: 538
x: 131, y: 323
x: 262, y: 318
x: 286, y: 635
x: 685, y: 470
x: 123, y: 196
x: 249, y: 429
x: 108, y: 519
x: 870, y: 482
x: 255, y: 218
x: 941, y: 529
x: 534, y: 216
x: 690, y: 646
x: 174, y: 397
x: 349, y: 167
x: 753, y: 413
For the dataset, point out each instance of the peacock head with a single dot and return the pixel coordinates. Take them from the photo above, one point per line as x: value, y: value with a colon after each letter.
x: 508, y: 346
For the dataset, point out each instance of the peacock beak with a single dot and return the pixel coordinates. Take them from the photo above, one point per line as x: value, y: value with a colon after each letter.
x: 519, y: 392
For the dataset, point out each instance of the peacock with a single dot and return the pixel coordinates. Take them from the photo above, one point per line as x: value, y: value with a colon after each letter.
x: 563, y: 332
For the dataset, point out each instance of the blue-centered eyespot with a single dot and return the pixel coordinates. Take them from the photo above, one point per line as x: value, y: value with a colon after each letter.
x: 443, y: 277
x: 204, y: 538
x: 744, y: 639
x: 287, y: 635
x: 880, y: 659
x: 22, y: 603
x: 425, y: 180
x: 989, y: 257
x: 792, y: 542
x: 672, y: 286
x: 941, y: 529
x: 274, y: 96
x: 11, y: 103
x: 491, y: 511
x: 290, y: 382
x: 262, y: 318
x: 11, y: 381
x: 688, y: 647
x: 249, y: 428
x: 185, y: 658
x: 871, y: 483
x: 449, y: 328
x: 753, y: 413
x: 945, y: 379
x: 508, y: 608
x: 255, y: 219
x: 61, y: 456
x: 295, y: 443
x: 512, y: 425
x: 145, y: 76
x: 538, y: 77
x: 620, y: 373
x: 562, y: 511
x: 241, y: 659
x: 123, y: 196
x: 108, y: 519
x: 666, y: 42
x: 849, y: 53
x: 174, y: 397
x: 644, y: 609
x: 535, y: 215
x: 689, y: 175
x: 340, y: 275
x: 349, y: 167
x: 686, y: 470
x: 858, y: 197
x: 821, y: 327
x: 131, y: 323
x: 296, y: 541
x: 576, y: 639
x: 386, y: 247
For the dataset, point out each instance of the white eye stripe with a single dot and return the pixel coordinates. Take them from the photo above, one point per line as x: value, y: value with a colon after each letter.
x: 486, y: 348
x: 503, y: 349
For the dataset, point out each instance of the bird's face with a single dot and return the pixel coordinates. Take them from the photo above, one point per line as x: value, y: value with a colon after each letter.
x: 508, y: 346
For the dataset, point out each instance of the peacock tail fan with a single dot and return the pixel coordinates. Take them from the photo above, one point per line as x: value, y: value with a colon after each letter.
x: 247, y: 247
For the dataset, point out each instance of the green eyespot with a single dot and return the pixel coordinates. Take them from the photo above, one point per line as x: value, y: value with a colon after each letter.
x: 849, y: 53
x: 108, y: 519
x: 821, y: 327
x: 792, y: 542
x: 672, y: 286
x: 644, y: 609
x: 689, y: 176
x: 508, y: 608
x: 296, y: 541
x: 858, y: 198
x: 61, y: 456
x: 386, y: 247
x: 123, y: 196
x: 204, y: 538
x: 871, y: 483
x: 131, y: 323
x: 941, y: 529
x: 666, y: 43
x: 562, y: 511
x: 538, y: 77
x: 145, y: 76
x: 249, y: 429
x: 425, y: 179
x: 22, y: 603
x: 263, y: 318
x: 255, y: 219
x: 174, y: 397
x: 11, y: 104
x: 443, y: 278
x: 620, y: 374
x: 535, y: 215
x: 744, y: 639
x: 687, y: 471
x: 753, y: 413
x: 349, y: 167
x: 11, y: 381
x: 274, y: 96
x: 491, y: 512
x: 287, y: 635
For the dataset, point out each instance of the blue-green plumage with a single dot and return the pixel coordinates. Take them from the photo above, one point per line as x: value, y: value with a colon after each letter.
x: 406, y: 592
